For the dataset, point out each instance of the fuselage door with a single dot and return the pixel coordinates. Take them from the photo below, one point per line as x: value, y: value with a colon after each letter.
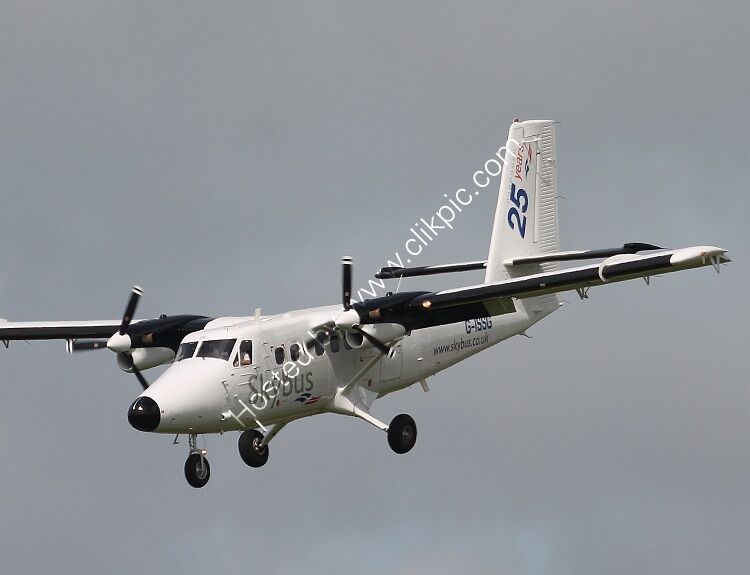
x: 242, y: 365
x: 391, y: 364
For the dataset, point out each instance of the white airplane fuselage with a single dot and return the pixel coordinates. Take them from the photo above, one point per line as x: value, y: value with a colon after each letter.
x: 212, y: 395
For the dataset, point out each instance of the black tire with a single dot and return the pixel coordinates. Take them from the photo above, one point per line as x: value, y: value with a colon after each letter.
x: 250, y: 451
x: 197, y: 470
x: 402, y: 433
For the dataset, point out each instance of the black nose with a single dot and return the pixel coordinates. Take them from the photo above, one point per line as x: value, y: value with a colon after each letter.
x: 144, y: 414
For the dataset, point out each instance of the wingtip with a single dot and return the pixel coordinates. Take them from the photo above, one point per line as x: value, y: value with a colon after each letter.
x: 702, y: 254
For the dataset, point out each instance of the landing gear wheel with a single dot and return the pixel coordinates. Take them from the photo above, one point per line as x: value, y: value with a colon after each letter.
x: 250, y: 448
x: 197, y: 470
x: 402, y: 433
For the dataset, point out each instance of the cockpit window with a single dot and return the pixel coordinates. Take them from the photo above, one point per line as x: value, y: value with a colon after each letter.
x: 218, y: 348
x: 186, y: 350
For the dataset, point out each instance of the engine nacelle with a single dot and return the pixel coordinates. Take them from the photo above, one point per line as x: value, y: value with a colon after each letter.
x: 146, y: 358
x: 385, y: 332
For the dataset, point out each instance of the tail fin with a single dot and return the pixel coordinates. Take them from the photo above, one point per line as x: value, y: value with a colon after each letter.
x: 526, y: 216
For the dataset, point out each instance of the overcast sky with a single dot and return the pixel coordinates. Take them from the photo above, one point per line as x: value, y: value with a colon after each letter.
x: 224, y: 156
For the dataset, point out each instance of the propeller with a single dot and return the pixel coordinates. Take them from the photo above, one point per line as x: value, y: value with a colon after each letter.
x: 348, y: 319
x: 120, y: 341
x: 346, y: 281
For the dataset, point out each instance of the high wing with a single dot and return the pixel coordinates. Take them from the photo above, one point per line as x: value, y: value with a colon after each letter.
x: 613, y: 269
x: 166, y: 331
x: 34, y: 330
x: 415, y: 310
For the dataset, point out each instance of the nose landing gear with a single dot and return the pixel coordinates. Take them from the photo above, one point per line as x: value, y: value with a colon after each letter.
x: 197, y: 469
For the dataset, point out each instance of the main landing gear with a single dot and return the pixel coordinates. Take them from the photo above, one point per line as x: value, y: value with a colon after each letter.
x: 402, y: 433
x: 253, y: 451
x: 197, y: 469
x: 253, y: 445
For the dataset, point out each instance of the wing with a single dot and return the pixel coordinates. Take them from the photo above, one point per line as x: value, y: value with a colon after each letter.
x: 32, y: 330
x: 417, y: 310
x: 166, y: 331
x: 613, y: 269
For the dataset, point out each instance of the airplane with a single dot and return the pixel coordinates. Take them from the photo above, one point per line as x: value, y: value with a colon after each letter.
x: 257, y: 374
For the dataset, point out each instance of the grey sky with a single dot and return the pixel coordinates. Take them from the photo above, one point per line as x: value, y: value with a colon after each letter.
x: 224, y: 156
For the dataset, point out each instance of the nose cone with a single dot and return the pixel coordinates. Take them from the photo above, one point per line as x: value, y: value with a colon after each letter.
x: 144, y: 414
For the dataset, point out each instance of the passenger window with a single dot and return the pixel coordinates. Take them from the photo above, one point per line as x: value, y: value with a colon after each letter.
x: 245, y: 356
x: 334, y: 343
x: 317, y: 343
x: 294, y: 352
x: 279, y: 354
x: 313, y: 343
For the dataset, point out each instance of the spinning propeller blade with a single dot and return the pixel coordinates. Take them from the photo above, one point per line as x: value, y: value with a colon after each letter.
x: 346, y: 281
x: 140, y: 377
x: 126, y: 360
x: 372, y: 339
x: 135, y: 295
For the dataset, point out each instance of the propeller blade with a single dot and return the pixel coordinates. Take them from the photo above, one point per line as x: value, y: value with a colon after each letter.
x: 76, y: 345
x: 135, y: 295
x: 126, y: 361
x: 372, y: 339
x: 346, y: 277
x: 140, y: 377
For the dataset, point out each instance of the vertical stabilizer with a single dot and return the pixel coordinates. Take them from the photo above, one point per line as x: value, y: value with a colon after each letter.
x: 526, y: 215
